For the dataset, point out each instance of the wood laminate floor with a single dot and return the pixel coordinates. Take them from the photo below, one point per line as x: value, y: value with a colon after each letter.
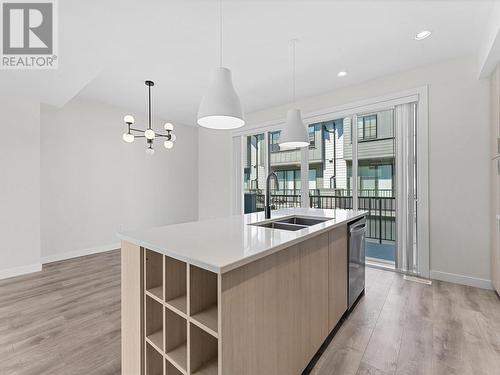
x: 403, y: 327
x: 65, y: 320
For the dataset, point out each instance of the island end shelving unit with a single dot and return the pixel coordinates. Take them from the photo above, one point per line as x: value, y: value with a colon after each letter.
x: 181, y: 317
x: 269, y: 313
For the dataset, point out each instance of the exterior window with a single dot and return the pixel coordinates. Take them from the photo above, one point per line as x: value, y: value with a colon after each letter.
x: 289, y: 181
x: 312, y: 179
x: 312, y: 135
x: 367, y: 127
x: 274, y: 140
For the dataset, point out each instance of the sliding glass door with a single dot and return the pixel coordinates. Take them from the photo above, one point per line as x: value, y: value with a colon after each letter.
x: 330, y: 159
x: 365, y: 160
x: 376, y: 182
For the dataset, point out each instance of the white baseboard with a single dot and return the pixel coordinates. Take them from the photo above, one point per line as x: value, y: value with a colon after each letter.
x: 80, y: 253
x: 21, y: 270
x: 461, y: 279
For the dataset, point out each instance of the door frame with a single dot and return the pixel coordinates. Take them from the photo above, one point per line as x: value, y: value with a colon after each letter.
x: 418, y: 94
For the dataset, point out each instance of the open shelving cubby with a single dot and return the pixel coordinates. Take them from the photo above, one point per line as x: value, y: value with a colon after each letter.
x: 175, y: 284
x: 203, y: 352
x: 176, y: 340
x: 154, y: 361
x: 180, y: 328
x: 154, y: 274
x: 170, y: 369
x: 203, y: 299
x: 154, y: 323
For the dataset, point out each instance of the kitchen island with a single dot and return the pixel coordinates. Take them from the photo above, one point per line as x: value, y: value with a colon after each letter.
x: 226, y: 296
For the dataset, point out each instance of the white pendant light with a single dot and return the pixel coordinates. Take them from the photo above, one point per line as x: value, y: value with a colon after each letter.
x: 295, y: 133
x: 220, y: 108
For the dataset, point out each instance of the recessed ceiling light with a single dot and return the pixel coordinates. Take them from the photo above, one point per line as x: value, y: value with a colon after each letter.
x: 341, y: 74
x: 422, y: 35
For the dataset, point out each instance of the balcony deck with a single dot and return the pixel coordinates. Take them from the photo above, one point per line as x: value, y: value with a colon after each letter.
x: 382, y: 251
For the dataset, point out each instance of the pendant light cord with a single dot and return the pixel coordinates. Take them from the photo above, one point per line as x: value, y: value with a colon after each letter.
x: 221, y: 32
x: 294, y: 44
x: 149, y: 107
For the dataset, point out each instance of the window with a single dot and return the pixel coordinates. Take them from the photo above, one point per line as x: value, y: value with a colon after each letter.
x: 312, y: 134
x: 313, y: 179
x: 254, y: 162
x: 274, y: 141
x: 367, y: 127
x: 376, y: 178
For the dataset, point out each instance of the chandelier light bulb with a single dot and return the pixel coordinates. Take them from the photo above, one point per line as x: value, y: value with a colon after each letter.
x: 422, y: 35
x: 150, y: 151
x: 173, y: 137
x: 129, y: 138
x: 168, y: 144
x: 149, y: 134
x: 129, y: 119
x: 168, y: 126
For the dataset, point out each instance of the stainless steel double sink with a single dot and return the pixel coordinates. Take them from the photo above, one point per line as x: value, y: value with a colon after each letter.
x: 292, y: 223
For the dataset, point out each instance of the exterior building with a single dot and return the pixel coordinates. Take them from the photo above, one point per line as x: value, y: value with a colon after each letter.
x: 330, y: 158
x: 376, y: 150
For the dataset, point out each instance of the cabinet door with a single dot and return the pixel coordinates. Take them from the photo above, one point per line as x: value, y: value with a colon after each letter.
x: 337, y: 275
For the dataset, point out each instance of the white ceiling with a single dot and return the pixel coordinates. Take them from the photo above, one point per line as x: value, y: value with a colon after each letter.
x: 108, y: 48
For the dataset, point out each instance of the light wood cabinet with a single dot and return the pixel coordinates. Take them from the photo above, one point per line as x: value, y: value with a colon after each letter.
x: 267, y: 317
x: 275, y: 311
x: 337, y: 275
x: 132, y: 309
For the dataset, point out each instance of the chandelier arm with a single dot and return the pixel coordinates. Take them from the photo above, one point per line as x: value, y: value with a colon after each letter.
x: 137, y: 130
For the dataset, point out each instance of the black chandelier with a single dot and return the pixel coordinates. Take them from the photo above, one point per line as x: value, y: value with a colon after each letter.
x: 149, y: 133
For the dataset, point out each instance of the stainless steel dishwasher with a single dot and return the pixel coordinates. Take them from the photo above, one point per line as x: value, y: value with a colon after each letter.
x: 357, y: 234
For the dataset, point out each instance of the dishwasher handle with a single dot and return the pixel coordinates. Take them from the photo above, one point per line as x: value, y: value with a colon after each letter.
x: 357, y: 229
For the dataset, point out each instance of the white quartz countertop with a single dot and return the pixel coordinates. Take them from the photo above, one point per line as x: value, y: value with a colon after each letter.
x: 223, y: 244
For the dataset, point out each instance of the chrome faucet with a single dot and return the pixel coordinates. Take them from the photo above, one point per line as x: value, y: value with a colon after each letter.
x: 267, y: 207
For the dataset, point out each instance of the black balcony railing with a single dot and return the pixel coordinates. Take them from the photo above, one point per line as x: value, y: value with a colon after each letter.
x: 279, y: 201
x: 381, y: 218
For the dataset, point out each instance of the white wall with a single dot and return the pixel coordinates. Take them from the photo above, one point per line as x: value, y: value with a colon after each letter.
x: 215, y: 165
x: 19, y: 187
x: 489, y: 48
x: 458, y: 158
x: 93, y: 184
